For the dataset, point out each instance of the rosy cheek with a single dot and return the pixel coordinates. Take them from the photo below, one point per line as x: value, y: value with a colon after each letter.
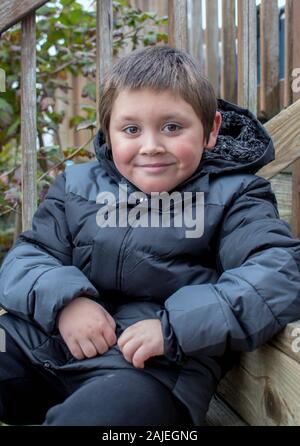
x: 186, y: 156
x: 122, y: 154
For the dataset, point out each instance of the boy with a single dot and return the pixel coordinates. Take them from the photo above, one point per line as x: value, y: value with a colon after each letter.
x: 132, y: 321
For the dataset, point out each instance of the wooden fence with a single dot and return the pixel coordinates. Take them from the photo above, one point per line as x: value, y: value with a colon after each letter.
x: 265, y: 389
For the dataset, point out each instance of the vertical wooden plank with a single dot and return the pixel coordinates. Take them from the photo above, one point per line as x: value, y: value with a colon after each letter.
x: 28, y: 121
x: 80, y: 137
x: 296, y: 96
x: 2, y: 81
x: 269, y: 50
x: 195, y: 32
x: 296, y: 198
x: 143, y: 5
x: 247, y: 55
x: 288, y: 54
x: 212, y: 44
x: 177, y: 26
x: 229, y: 65
x: 152, y: 5
x: 104, y: 44
x: 296, y: 42
x: 162, y: 7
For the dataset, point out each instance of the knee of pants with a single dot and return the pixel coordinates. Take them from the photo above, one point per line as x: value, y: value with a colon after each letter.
x: 119, y: 398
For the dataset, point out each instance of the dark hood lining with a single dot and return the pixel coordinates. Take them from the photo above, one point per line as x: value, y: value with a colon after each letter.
x: 240, y: 139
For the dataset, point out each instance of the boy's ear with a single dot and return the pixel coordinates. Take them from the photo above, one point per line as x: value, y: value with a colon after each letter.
x: 215, y: 131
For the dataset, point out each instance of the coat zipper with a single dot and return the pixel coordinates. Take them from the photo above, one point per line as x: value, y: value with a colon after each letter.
x: 120, y: 260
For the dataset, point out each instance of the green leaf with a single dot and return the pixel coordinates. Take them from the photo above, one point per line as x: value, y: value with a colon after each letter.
x: 47, y: 10
x: 148, y: 15
x: 13, y: 128
x: 75, y: 16
x: 162, y: 37
x: 5, y: 106
x: 66, y: 2
x: 55, y: 117
x: 55, y: 148
x: 75, y: 120
x: 89, y: 90
x: 120, y: 3
x: 150, y: 39
x: 163, y: 21
x: 53, y: 153
x: 87, y: 124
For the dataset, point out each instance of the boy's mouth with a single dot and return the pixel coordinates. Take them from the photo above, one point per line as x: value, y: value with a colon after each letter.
x: 157, y: 167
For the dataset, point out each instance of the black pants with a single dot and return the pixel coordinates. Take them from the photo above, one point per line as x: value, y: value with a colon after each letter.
x: 122, y: 397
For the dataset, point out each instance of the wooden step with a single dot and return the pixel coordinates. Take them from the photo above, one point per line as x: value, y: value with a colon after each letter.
x: 220, y: 414
x: 264, y: 388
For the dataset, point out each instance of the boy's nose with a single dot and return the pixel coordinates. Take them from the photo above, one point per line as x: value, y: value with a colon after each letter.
x: 152, y: 150
x: 151, y: 147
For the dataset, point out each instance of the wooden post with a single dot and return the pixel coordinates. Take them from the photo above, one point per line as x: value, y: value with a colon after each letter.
x: 28, y: 121
x: 269, y: 50
x: 247, y: 55
x: 104, y: 44
x: 2, y: 81
x: 229, y: 65
x: 296, y: 42
x: 288, y: 53
x: 296, y: 199
x: 212, y: 44
x: 177, y: 25
x: 296, y: 95
x: 140, y: 4
x: 195, y: 32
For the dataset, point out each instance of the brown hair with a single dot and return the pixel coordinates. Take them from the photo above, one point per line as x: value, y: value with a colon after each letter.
x: 159, y: 68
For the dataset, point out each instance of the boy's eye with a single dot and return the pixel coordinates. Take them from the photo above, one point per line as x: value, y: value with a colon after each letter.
x: 132, y: 130
x: 131, y: 127
x: 173, y: 127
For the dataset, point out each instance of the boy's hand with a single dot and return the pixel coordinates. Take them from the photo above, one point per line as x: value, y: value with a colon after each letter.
x: 142, y: 340
x: 87, y: 328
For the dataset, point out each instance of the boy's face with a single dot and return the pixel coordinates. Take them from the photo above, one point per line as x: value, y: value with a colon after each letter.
x: 156, y: 138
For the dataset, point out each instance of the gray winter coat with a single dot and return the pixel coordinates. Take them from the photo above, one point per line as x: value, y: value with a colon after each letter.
x: 228, y: 291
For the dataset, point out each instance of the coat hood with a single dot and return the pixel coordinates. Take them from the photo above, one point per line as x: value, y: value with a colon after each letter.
x: 243, y: 145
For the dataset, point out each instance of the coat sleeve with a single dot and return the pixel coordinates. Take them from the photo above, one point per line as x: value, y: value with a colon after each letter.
x: 37, y: 277
x: 258, y: 291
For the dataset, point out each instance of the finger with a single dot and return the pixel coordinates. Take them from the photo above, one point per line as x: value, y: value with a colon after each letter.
x: 111, y: 320
x: 109, y: 335
x: 126, y: 336
x: 76, y: 350
x: 88, y: 348
x: 130, y: 348
x: 139, y: 358
x: 100, y: 343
